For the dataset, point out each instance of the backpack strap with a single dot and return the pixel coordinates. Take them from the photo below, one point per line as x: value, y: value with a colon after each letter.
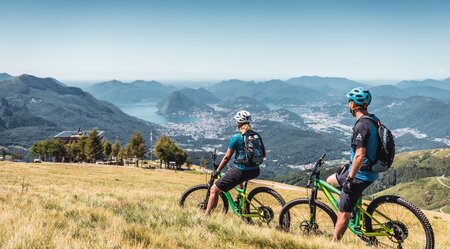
x: 376, y: 122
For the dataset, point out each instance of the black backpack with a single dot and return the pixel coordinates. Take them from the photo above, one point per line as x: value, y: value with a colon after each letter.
x: 386, y: 147
x: 254, y: 149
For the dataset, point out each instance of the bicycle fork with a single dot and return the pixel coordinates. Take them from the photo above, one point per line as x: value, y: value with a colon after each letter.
x: 312, y: 211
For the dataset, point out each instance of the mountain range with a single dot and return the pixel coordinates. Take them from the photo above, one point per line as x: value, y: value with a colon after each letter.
x: 118, y: 92
x: 301, y: 117
x: 33, y: 108
x: 443, y: 84
x: 294, y: 91
x: 5, y: 76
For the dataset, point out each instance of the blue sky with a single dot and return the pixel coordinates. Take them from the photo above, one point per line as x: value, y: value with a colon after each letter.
x: 203, y: 40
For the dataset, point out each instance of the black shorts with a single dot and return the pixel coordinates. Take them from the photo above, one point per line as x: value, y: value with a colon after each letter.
x: 234, y: 176
x: 348, y: 202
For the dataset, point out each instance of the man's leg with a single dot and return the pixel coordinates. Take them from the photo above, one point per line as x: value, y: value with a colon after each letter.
x: 213, y: 198
x: 333, y: 180
x: 341, y: 225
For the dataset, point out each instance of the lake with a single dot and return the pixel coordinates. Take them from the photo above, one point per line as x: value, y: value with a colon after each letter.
x: 147, y: 111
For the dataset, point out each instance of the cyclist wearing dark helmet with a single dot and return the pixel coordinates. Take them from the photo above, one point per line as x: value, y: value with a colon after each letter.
x: 240, y: 172
x: 355, y: 176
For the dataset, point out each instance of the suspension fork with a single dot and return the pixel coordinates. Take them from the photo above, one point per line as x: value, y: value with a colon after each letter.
x: 312, y: 206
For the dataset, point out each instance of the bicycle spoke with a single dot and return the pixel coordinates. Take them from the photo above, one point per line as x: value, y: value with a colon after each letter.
x: 404, y: 222
x: 300, y: 221
x: 265, y: 202
x: 195, y: 199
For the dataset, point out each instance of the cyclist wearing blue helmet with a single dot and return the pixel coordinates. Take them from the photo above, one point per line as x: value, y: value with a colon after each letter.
x: 355, y: 176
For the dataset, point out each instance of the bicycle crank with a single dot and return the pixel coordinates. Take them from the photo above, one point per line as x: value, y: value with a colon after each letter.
x: 267, y: 214
x: 400, y: 231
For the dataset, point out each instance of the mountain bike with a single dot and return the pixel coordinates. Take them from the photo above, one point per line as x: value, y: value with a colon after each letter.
x: 388, y: 221
x: 261, y: 205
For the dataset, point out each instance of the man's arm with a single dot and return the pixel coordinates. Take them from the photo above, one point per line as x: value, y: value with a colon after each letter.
x: 225, y: 159
x: 358, y: 160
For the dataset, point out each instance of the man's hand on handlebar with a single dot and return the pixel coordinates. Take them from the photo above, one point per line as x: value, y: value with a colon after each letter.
x: 215, y: 173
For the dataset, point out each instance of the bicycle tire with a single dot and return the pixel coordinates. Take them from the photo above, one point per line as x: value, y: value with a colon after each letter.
x: 298, y: 210
x: 201, y: 203
x: 381, y: 203
x: 271, y: 206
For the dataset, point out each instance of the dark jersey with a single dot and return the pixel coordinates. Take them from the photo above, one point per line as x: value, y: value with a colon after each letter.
x: 365, y: 134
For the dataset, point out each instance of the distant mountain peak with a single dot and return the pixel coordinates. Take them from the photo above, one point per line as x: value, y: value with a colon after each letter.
x: 5, y: 76
x: 24, y: 83
x: 178, y: 104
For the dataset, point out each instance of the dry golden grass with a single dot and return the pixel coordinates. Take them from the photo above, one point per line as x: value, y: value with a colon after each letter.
x: 84, y: 206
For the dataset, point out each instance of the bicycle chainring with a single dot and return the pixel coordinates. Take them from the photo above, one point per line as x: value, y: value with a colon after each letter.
x: 400, y: 230
x: 202, y: 205
x: 268, y: 214
x: 306, y: 227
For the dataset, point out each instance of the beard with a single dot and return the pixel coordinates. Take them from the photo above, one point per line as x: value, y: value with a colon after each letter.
x: 352, y: 111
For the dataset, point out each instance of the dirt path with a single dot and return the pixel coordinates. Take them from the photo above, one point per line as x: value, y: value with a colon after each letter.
x: 440, y: 181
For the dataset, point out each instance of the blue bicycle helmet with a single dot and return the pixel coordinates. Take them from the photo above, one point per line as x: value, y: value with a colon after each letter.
x: 360, y: 95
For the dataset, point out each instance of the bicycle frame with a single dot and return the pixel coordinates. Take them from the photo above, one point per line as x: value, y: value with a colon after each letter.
x: 359, y: 214
x: 358, y: 217
x: 238, y: 209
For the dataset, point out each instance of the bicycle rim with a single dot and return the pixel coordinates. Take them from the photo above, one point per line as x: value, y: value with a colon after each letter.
x: 195, y: 199
x: 296, y: 219
x: 411, y: 227
x: 267, y: 202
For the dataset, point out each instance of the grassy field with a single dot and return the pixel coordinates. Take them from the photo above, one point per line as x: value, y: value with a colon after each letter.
x: 83, y: 206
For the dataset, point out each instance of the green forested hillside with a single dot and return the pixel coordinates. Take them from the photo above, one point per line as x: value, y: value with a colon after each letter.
x: 428, y: 193
x: 411, y: 166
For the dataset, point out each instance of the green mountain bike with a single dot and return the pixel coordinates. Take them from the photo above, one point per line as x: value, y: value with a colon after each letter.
x: 261, y: 205
x: 388, y: 221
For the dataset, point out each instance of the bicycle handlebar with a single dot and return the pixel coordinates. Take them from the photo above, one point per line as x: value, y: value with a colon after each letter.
x: 314, y: 173
x: 213, y: 158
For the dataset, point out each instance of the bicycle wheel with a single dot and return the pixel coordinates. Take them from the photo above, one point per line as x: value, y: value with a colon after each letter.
x: 195, y: 198
x: 296, y: 215
x: 266, y: 201
x: 411, y: 228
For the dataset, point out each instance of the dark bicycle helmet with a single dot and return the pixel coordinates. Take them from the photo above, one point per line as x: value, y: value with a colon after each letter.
x: 360, y: 95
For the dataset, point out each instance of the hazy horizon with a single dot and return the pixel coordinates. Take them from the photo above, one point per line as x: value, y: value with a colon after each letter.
x: 207, y: 82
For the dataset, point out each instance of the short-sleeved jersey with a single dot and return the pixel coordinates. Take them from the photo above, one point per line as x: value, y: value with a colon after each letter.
x: 365, y: 134
x: 238, y: 145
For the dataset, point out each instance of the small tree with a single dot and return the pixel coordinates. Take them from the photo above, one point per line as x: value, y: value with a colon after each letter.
x: 107, y: 149
x: 167, y: 150
x: 79, y: 149
x: 38, y: 149
x: 93, y: 147
x: 56, y: 149
x: 161, y: 150
x: 124, y: 154
x: 115, y: 149
x: 136, y: 146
